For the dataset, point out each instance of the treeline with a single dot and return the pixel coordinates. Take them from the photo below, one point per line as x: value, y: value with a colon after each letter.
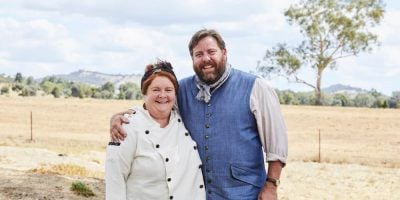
x: 129, y: 90
x: 61, y: 88
x: 370, y: 99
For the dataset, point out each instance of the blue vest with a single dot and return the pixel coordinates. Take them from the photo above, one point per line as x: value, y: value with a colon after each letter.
x: 226, y: 134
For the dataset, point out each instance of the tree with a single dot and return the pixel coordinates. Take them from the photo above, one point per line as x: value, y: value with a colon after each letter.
x: 394, y: 101
x: 47, y: 86
x: 332, y: 30
x: 81, y: 90
x: 30, y: 80
x: 364, y: 100
x: 56, y: 92
x: 129, y: 90
x: 18, y: 78
x: 341, y: 99
x: 106, y: 91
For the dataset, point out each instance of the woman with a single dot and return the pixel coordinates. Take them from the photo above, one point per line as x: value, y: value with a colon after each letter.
x: 158, y: 159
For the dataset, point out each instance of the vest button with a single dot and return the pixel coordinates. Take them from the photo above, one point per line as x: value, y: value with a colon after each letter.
x: 207, y: 126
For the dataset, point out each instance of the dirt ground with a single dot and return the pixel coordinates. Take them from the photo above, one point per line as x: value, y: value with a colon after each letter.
x: 16, y: 184
x: 299, y: 180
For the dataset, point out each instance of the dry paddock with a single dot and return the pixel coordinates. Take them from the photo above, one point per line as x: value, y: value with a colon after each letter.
x: 357, y: 148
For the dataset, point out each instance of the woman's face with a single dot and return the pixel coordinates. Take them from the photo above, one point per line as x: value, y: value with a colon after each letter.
x: 160, y: 97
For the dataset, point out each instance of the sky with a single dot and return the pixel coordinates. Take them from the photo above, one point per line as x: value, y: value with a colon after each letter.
x: 41, y: 37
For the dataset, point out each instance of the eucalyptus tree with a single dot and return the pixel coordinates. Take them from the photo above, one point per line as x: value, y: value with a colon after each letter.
x: 331, y: 30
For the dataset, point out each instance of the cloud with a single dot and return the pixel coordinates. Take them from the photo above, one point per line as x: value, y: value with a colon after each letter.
x: 43, y: 37
x: 152, y: 12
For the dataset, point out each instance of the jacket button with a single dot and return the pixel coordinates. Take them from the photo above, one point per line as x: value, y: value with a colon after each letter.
x: 171, y: 197
x: 147, y: 132
x: 169, y: 179
x: 179, y: 120
x: 157, y: 146
x: 187, y: 134
x: 201, y: 186
x: 194, y: 147
x: 166, y: 160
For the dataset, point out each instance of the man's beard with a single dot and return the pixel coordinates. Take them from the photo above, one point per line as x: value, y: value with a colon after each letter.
x: 210, y: 78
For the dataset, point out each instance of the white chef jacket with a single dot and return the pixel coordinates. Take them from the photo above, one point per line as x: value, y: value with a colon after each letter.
x: 153, y: 162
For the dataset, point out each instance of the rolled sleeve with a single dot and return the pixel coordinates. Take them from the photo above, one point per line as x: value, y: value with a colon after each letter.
x: 265, y: 106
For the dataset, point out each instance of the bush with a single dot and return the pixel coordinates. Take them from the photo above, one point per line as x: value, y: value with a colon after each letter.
x: 28, y: 91
x: 5, y: 90
x: 82, y: 189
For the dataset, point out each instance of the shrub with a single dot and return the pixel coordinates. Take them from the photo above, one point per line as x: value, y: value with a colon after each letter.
x: 5, y: 90
x: 82, y: 189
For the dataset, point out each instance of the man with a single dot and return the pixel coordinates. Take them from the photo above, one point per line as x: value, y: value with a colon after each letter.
x: 231, y: 115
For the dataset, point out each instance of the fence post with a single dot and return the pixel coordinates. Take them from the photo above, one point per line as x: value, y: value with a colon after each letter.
x: 31, y: 127
x: 319, y: 145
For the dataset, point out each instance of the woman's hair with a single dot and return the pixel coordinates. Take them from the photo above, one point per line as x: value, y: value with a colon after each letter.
x: 161, y: 68
x: 205, y: 33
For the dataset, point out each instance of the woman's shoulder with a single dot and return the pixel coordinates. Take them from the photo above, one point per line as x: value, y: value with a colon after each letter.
x: 136, y: 120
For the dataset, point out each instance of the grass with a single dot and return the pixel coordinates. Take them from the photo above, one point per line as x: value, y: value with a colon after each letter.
x: 75, y: 126
x: 81, y: 189
x: 68, y: 170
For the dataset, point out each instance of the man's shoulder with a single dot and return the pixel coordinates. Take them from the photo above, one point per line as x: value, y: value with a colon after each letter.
x: 243, y: 75
x: 186, y: 80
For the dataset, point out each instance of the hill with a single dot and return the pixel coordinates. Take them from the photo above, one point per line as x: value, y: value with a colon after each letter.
x: 98, y: 78
x: 340, y: 88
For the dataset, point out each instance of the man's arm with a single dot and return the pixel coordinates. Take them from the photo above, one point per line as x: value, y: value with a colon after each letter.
x: 117, y: 133
x: 273, y: 135
x: 269, y: 190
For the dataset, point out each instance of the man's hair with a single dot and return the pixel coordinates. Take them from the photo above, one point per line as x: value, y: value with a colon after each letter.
x: 199, y: 35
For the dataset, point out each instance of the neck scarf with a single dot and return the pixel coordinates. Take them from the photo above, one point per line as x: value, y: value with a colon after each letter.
x: 205, y: 92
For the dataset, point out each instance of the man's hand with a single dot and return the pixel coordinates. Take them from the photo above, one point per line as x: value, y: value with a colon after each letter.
x: 268, y: 192
x: 117, y: 133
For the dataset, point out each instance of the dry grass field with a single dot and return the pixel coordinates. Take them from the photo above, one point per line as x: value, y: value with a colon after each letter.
x: 360, y: 149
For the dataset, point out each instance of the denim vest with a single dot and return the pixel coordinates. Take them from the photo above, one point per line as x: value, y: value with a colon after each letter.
x: 227, y: 138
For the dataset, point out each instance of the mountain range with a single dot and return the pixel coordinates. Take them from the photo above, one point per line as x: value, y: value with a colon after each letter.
x: 98, y: 79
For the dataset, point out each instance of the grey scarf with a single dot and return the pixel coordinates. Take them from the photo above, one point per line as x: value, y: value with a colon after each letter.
x: 204, y: 93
